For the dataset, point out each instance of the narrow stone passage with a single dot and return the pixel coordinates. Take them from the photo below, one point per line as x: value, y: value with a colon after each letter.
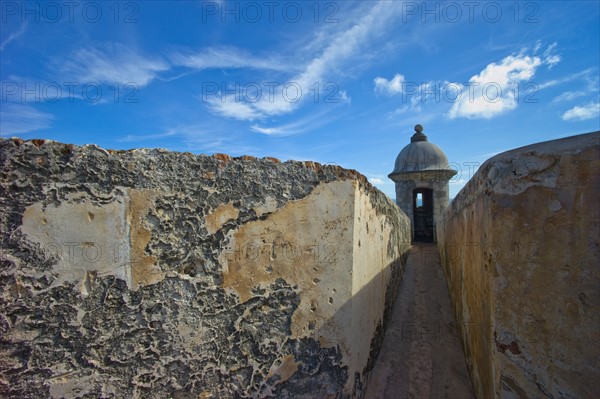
x: 421, y: 356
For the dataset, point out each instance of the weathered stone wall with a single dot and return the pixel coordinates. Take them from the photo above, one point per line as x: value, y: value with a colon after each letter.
x: 151, y: 274
x: 520, y: 250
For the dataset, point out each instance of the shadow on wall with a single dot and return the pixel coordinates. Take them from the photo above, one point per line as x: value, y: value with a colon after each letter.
x: 120, y: 275
x: 308, y: 381
x: 182, y: 339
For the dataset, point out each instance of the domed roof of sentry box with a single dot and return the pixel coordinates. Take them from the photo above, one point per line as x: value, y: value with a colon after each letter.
x: 420, y: 155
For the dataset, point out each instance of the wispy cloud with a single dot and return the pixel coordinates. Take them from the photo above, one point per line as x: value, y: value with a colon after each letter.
x: 19, y: 89
x: 337, y: 47
x: 585, y: 74
x: 227, y: 57
x: 591, y: 86
x: 569, y: 96
x: 549, y: 57
x: 193, y: 137
x: 147, y: 137
x: 376, y: 180
x: 311, y: 122
x: 269, y: 131
x: 13, y: 36
x: 229, y: 105
x: 22, y: 118
x: 110, y: 63
x: 210, y: 139
x: 582, y: 113
x: 341, y: 48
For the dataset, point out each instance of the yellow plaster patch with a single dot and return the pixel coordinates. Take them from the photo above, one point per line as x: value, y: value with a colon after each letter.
x: 221, y: 215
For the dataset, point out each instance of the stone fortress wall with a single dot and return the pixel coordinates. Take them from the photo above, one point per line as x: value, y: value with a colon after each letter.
x: 148, y: 273
x: 520, y: 248
x: 152, y: 274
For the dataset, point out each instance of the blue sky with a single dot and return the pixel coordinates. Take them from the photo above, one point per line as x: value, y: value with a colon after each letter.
x: 339, y: 82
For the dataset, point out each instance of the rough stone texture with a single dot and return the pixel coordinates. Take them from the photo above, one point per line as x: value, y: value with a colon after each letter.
x: 520, y: 250
x: 151, y: 274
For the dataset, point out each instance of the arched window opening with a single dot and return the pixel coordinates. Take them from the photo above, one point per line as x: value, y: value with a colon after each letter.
x: 423, y: 215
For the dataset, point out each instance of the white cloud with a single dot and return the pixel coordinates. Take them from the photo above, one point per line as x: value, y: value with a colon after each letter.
x: 585, y: 74
x: 495, y: 89
x: 588, y: 76
x: 344, y: 97
x: 337, y: 47
x: 343, y: 46
x: 13, y: 36
x: 269, y: 131
x: 492, y: 92
x: 582, y: 113
x: 400, y: 110
x: 227, y: 57
x: 341, y: 49
x: 569, y: 96
x: 109, y: 64
x: 551, y: 59
x: 394, y: 86
x: 130, y: 137
x: 22, y: 118
x: 302, y: 125
x: 231, y: 107
x: 376, y: 180
x: 114, y: 62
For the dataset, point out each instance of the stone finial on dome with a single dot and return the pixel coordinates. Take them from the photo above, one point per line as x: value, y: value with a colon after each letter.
x: 419, y: 135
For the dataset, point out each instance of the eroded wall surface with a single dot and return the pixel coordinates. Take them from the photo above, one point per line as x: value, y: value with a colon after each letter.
x: 520, y: 250
x: 151, y: 274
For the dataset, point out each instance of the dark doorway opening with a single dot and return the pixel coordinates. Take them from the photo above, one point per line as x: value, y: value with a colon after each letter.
x: 423, y: 214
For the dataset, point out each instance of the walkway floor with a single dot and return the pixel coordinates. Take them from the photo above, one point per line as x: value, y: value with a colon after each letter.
x: 422, y: 356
